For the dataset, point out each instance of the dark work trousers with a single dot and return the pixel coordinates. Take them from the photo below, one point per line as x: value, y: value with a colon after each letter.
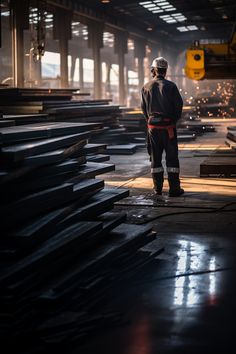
x: 160, y: 141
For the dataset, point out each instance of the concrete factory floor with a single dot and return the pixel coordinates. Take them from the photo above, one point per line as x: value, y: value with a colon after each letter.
x: 184, y: 301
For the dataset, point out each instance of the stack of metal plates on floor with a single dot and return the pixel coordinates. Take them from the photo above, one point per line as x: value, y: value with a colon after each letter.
x: 133, y: 120
x: 60, y: 236
x: 120, y: 141
x: 196, y: 127
x: 29, y: 106
x: 231, y: 136
x: 219, y: 165
x: 222, y: 163
x: 57, y: 104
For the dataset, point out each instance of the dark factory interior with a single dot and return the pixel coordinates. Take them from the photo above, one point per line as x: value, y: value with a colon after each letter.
x: 118, y: 176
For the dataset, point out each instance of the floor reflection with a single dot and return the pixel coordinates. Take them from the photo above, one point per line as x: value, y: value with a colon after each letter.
x: 192, y: 258
x: 140, y: 336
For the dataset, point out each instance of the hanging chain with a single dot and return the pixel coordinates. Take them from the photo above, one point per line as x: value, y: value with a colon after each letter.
x: 38, y: 30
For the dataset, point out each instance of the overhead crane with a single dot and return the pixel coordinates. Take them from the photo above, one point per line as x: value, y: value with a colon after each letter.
x: 212, y: 60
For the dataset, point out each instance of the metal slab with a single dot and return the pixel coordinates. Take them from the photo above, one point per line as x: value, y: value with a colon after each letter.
x: 21, y: 188
x: 123, y: 237
x: 43, y: 130
x: 56, y: 246
x: 7, y: 123
x: 18, y: 152
x: 98, y: 158
x: 231, y: 135
x: 100, y: 203
x: 91, y: 170
x: 220, y: 166
x: 36, y: 203
x: 41, y: 202
x: 57, y: 156
x: 41, y: 228
x: 126, y: 149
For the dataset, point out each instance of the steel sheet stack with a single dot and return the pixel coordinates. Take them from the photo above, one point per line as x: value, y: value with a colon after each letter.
x: 222, y: 163
x: 188, y: 128
x: 59, y: 234
x: 26, y: 106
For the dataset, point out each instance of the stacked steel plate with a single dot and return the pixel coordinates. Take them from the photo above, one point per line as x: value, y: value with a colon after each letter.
x: 59, y: 233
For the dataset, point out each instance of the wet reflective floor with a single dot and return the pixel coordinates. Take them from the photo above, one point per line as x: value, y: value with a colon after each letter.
x: 184, y: 300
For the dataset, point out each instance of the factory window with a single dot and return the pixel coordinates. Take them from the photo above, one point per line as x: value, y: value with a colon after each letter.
x: 88, y: 65
x: 88, y: 75
x: 110, y: 81
x: 73, y: 69
x: 132, y: 77
x: 114, y: 74
x: 51, y: 65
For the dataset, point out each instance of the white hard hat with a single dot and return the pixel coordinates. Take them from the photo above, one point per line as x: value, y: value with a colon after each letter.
x: 160, y: 62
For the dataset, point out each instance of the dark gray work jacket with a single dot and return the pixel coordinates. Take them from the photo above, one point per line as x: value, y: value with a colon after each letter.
x: 161, y: 100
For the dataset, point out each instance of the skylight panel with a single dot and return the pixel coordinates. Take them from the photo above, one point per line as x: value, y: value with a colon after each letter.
x: 182, y: 29
x: 171, y: 21
x: 157, y: 11
x: 149, y: 5
x: 187, y: 28
x: 159, y: 6
x: 173, y: 18
x: 171, y: 9
x: 166, y: 6
x: 192, y: 28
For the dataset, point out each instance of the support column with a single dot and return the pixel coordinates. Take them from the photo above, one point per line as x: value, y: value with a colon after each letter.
x: 97, y: 72
x: 108, y: 80
x: 95, y: 41
x: 140, y: 53
x: 72, y: 70
x: 63, y: 47
x: 19, y: 21
x: 62, y: 32
x: 81, y: 73
x: 121, y: 48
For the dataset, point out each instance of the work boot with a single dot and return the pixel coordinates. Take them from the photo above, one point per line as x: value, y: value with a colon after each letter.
x: 174, y: 185
x: 158, y: 191
x: 158, y: 179
x: 176, y: 193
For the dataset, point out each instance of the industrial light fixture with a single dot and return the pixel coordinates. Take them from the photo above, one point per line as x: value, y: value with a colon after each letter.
x: 173, y: 18
x: 187, y: 28
x: 157, y: 6
x: 105, y: 1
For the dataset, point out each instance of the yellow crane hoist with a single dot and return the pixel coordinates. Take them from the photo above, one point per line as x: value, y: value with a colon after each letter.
x: 212, y: 60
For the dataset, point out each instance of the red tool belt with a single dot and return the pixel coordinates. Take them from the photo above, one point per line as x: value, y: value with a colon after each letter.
x: 169, y: 128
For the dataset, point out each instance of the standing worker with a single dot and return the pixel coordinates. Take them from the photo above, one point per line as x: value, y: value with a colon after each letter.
x: 162, y: 105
